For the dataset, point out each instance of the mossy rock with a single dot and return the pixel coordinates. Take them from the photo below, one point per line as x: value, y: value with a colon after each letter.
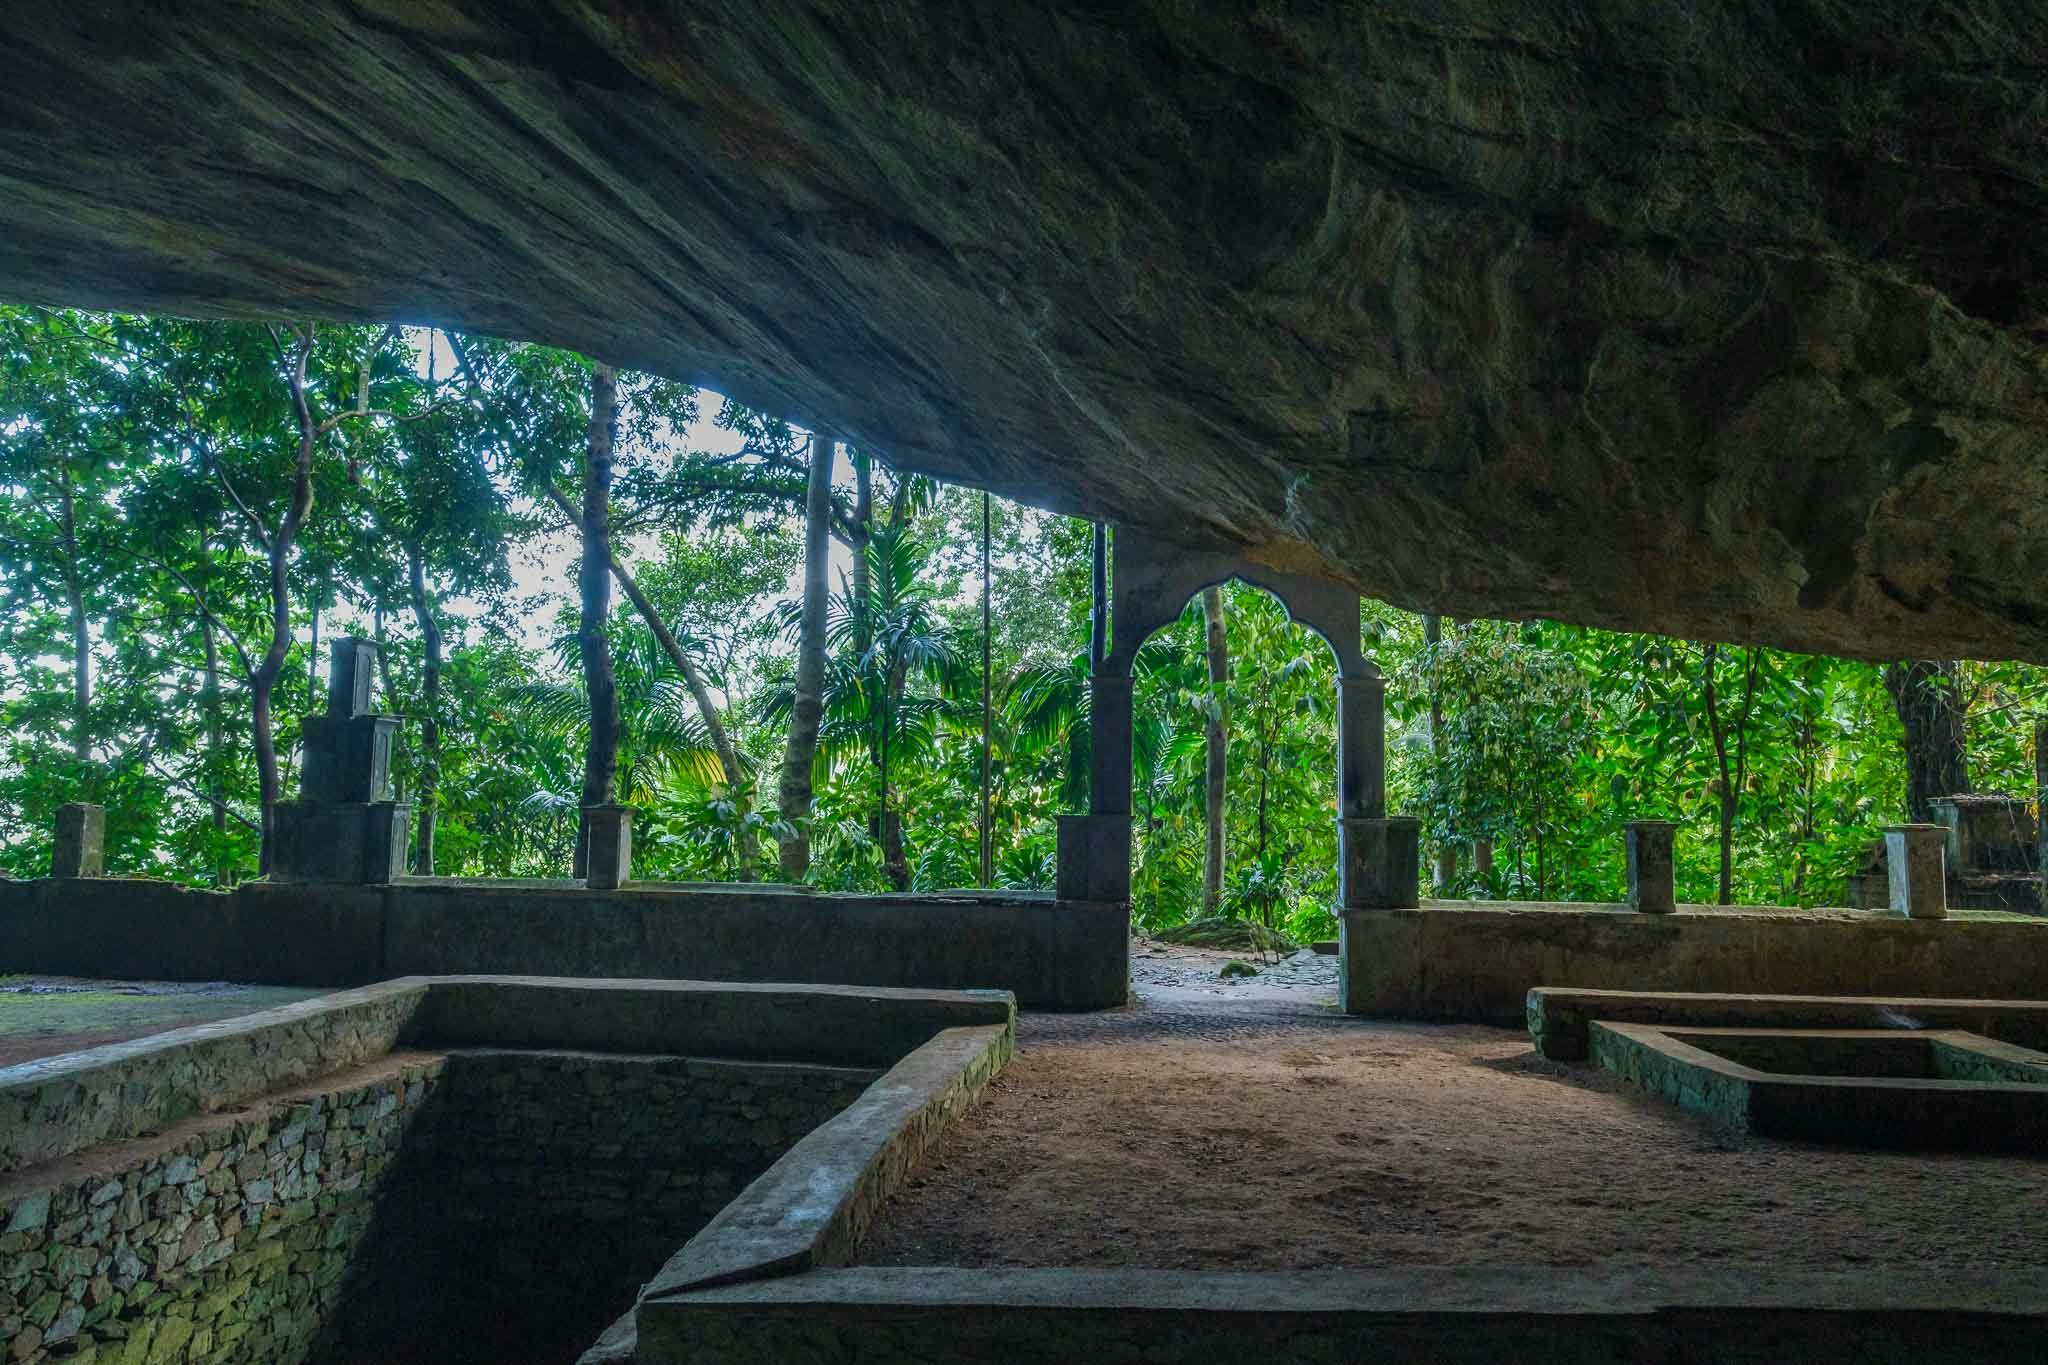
x: 1221, y: 931
x: 1236, y: 968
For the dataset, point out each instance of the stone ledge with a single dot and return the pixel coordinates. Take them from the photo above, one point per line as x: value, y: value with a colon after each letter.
x: 1560, y: 1017
x: 812, y: 1206
x: 57, y: 1105
x: 1440, y: 1314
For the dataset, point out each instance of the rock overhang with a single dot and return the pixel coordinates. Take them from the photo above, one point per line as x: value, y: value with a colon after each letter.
x: 1664, y: 318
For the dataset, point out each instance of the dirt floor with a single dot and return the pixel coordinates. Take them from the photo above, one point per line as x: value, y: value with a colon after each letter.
x: 1253, y: 1127
x: 41, y: 1016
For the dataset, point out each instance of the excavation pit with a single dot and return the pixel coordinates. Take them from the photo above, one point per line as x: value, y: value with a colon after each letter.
x: 454, y: 1169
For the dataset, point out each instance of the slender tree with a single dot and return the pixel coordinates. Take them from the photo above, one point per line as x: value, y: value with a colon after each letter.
x: 594, y: 579
x: 1730, y: 736
x: 800, y: 754
x: 1218, y: 786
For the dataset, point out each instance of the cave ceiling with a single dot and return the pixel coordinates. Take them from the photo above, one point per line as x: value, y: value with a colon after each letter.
x: 1721, y: 320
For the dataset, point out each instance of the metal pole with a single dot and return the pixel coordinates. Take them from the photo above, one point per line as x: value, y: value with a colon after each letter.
x: 988, y: 847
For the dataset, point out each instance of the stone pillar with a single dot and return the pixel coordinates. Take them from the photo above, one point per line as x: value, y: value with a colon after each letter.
x: 344, y: 827
x: 609, y: 830
x: 1361, y: 748
x: 1652, y: 883
x: 1109, y: 751
x: 1379, y: 863
x: 1094, y: 858
x: 1914, y: 857
x: 1094, y: 850
x: 81, y: 847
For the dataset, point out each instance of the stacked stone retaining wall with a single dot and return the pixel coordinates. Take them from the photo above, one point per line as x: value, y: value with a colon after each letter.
x: 541, y: 1189
x: 226, y: 1239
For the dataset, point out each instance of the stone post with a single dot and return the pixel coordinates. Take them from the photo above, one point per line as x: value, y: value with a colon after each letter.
x: 1094, y: 850
x: 1914, y: 856
x: 1361, y: 748
x: 81, y: 848
x: 344, y: 827
x: 1379, y: 863
x: 1652, y: 884
x: 609, y: 830
x: 1109, y: 750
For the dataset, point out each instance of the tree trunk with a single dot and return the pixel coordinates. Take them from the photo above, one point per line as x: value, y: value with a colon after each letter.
x: 216, y: 789
x: 801, y: 751
x: 594, y: 579
x: 430, y: 715
x: 863, y: 532
x: 1219, y: 749
x: 74, y: 602
x: 1446, y: 851
x: 986, y: 830
x: 263, y: 678
x: 1928, y: 695
x: 700, y: 692
x: 1733, y: 770
x: 895, y: 864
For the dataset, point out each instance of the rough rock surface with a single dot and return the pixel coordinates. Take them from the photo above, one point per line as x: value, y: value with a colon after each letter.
x: 1721, y: 319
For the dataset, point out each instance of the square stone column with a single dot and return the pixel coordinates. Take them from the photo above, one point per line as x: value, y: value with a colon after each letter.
x: 81, y: 846
x: 1916, y: 858
x: 1094, y: 853
x: 608, y: 831
x: 1652, y: 883
x: 1379, y: 863
x: 357, y: 842
x: 1361, y: 748
x: 1109, y: 745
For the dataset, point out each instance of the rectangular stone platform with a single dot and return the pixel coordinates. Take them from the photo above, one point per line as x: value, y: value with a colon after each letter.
x: 1945, y: 1089
x: 1559, y: 1018
x: 1478, y: 960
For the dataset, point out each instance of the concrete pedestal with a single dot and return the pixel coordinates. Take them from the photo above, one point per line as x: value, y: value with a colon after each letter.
x: 348, y: 758
x: 1915, y: 856
x: 1094, y: 858
x: 1652, y: 883
x: 81, y: 846
x: 1379, y: 863
x: 339, y: 841
x: 608, y: 835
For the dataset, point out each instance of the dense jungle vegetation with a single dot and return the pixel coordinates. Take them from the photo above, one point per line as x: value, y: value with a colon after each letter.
x: 189, y: 511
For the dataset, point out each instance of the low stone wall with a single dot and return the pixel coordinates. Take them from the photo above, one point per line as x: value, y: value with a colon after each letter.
x: 1050, y: 954
x: 1446, y: 1315
x: 226, y: 1239
x: 59, y: 1105
x: 465, y: 1204
x: 1478, y: 961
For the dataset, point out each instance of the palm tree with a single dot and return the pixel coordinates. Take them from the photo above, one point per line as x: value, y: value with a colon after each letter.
x: 662, y: 739
x: 882, y: 637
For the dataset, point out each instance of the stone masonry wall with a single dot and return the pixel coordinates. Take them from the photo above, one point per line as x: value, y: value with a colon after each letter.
x: 542, y: 1188
x: 224, y: 1240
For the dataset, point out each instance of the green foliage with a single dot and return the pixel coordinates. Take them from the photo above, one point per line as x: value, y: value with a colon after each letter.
x: 143, y: 460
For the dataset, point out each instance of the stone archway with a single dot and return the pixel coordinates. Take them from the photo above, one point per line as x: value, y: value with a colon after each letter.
x: 1154, y: 580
